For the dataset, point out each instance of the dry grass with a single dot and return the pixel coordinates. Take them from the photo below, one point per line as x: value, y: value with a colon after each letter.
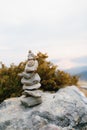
x: 83, y: 83
x: 84, y: 91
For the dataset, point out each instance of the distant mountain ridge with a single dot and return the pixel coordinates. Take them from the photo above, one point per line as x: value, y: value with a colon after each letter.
x: 80, y: 71
x: 77, y: 70
x: 83, y: 75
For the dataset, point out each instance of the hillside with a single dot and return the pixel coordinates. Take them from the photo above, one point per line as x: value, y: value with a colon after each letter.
x: 77, y: 70
x: 83, y: 75
x: 80, y: 71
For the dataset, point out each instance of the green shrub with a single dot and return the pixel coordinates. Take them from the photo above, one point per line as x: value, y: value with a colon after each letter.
x: 53, y: 79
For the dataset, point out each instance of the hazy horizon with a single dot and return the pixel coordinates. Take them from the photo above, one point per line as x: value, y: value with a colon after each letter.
x: 58, y: 28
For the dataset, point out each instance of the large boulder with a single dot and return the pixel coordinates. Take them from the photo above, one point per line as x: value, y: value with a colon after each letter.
x: 63, y: 110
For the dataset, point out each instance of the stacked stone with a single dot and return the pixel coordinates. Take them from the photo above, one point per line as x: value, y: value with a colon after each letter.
x: 31, y: 82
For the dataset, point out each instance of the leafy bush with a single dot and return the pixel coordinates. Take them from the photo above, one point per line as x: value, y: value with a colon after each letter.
x: 51, y: 78
x: 10, y: 84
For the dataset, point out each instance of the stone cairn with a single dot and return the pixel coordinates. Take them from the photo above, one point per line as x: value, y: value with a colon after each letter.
x: 31, y: 82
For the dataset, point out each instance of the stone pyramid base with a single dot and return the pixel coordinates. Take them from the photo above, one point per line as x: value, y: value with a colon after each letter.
x: 31, y: 101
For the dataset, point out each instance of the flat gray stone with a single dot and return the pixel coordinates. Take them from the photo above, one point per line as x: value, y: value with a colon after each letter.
x: 26, y: 75
x: 31, y: 101
x: 31, y: 55
x: 32, y: 68
x: 35, y: 86
x: 33, y: 80
x: 32, y: 93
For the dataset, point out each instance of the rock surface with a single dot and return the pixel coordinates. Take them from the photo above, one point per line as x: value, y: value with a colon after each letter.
x: 63, y: 110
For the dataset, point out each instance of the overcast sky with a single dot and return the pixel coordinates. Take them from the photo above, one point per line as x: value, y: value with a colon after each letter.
x: 55, y: 27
